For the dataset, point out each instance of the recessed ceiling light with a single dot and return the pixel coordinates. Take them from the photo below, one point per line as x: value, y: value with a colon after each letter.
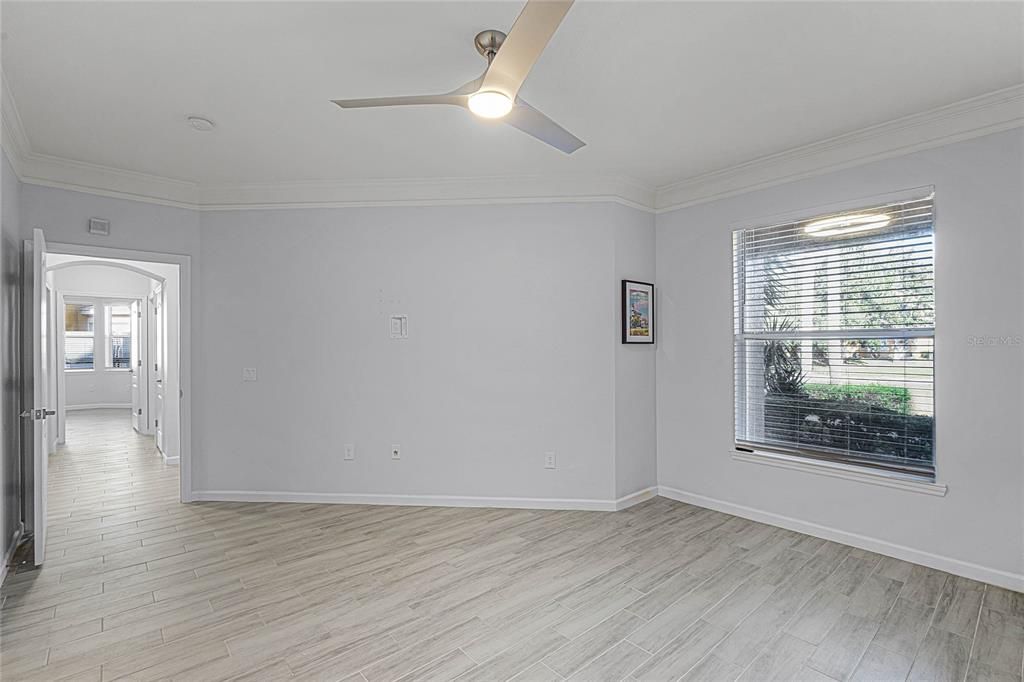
x: 203, y: 125
x: 845, y: 224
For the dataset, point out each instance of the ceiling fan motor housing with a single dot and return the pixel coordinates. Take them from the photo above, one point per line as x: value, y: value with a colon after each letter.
x: 488, y: 43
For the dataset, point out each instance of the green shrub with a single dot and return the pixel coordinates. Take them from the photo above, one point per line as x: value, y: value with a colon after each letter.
x: 895, y: 398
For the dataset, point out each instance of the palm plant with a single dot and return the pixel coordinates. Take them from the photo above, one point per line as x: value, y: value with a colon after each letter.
x: 783, y: 369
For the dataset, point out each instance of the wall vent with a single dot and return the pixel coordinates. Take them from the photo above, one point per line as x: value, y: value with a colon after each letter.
x: 99, y: 226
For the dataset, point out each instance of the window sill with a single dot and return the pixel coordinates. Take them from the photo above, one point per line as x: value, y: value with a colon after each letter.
x: 851, y: 473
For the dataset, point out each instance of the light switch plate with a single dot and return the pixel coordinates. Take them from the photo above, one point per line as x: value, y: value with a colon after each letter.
x: 396, y: 451
x: 249, y: 374
x: 398, y: 326
x: 350, y: 451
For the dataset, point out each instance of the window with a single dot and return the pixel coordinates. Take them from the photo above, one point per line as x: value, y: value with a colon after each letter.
x: 834, y: 337
x: 79, y: 330
x: 119, y: 336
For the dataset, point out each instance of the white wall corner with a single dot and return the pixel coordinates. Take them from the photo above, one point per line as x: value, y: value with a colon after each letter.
x: 632, y: 499
x: 967, y: 569
x: 13, y: 137
x: 974, y: 117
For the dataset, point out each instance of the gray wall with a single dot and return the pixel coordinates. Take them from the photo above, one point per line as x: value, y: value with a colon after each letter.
x: 979, y: 292
x: 512, y: 350
x: 513, y: 347
x: 10, y: 358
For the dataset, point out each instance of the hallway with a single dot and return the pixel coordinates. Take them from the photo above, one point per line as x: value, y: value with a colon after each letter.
x: 105, y: 471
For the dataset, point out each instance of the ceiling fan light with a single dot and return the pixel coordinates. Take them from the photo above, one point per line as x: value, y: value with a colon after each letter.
x: 490, y: 104
x: 845, y: 224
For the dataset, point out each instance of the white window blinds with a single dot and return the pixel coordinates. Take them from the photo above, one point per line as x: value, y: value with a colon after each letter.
x: 834, y: 336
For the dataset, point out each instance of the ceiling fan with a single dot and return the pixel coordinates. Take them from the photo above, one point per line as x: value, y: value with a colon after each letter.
x: 494, y: 94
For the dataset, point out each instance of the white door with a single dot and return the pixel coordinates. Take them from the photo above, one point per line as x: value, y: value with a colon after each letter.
x: 40, y: 407
x: 138, y: 420
x: 158, y: 368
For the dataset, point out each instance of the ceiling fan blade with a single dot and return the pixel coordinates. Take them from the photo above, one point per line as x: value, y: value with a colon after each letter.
x: 523, y: 46
x: 532, y: 122
x: 458, y: 97
x: 448, y: 98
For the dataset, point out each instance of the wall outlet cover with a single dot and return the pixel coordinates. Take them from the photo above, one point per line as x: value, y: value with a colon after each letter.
x: 249, y: 374
x: 350, y: 451
x: 549, y: 460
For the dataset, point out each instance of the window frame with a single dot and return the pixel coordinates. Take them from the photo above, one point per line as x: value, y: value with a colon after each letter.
x: 100, y: 333
x: 746, y: 449
x: 108, y: 347
x: 65, y: 334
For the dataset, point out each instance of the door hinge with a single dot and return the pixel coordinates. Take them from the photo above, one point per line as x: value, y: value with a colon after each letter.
x: 156, y: 422
x: 140, y: 411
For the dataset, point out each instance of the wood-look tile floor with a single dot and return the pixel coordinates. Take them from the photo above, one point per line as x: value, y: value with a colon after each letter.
x: 137, y: 586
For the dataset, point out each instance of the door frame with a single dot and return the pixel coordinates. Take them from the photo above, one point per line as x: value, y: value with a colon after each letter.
x: 184, y: 264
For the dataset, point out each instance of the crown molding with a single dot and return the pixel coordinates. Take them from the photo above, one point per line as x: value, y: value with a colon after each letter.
x: 429, y: 192
x: 92, y: 178
x: 989, y: 113
x: 974, y: 117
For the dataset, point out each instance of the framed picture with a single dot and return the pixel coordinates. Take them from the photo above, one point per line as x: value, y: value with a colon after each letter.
x: 637, y: 312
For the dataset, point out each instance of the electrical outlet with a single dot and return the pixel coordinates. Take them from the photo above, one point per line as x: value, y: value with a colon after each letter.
x: 549, y: 460
x: 396, y: 451
x: 249, y: 374
x: 350, y: 451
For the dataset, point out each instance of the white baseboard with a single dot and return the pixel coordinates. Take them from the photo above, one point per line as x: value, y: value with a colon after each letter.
x: 627, y: 501
x: 9, y: 554
x: 170, y: 460
x: 1011, y: 581
x: 424, y: 500
x: 99, y: 406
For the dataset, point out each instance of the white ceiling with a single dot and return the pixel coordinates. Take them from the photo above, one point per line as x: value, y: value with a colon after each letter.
x: 659, y: 91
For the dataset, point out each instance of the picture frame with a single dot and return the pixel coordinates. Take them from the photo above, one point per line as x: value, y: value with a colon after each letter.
x: 638, y: 323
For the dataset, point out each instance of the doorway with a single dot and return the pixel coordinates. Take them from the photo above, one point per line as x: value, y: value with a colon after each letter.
x: 117, y: 405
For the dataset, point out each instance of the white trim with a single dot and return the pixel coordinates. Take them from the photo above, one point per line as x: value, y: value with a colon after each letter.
x: 837, y: 470
x: 105, y: 264
x: 578, y: 504
x: 93, y: 178
x: 994, y: 576
x: 98, y: 406
x: 989, y: 113
x: 430, y: 192
x: 974, y: 117
x: 9, y: 554
x: 627, y: 501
